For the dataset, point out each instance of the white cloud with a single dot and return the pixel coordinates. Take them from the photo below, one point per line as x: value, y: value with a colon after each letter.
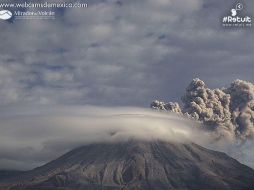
x: 31, y: 136
x: 37, y: 135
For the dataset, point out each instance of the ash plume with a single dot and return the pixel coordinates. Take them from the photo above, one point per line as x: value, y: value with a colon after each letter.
x: 228, y: 112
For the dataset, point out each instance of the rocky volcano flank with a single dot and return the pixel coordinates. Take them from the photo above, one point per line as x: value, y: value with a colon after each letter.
x: 133, y: 164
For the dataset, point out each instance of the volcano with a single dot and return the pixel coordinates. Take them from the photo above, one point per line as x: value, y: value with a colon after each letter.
x: 137, y: 165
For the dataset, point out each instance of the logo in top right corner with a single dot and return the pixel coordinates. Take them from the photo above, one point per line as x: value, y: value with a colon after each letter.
x: 236, y: 19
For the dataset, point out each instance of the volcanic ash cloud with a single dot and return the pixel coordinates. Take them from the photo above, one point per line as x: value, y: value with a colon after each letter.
x: 229, y: 112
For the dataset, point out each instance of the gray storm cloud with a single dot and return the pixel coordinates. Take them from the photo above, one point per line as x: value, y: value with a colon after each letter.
x: 229, y: 112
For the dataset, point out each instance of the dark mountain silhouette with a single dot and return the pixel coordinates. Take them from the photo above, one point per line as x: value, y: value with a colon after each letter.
x: 137, y: 165
x: 5, y: 174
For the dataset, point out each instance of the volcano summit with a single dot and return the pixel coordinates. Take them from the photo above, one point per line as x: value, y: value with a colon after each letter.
x: 137, y: 165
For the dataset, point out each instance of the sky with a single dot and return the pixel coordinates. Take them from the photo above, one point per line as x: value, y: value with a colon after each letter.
x: 112, y: 53
x: 122, y: 53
